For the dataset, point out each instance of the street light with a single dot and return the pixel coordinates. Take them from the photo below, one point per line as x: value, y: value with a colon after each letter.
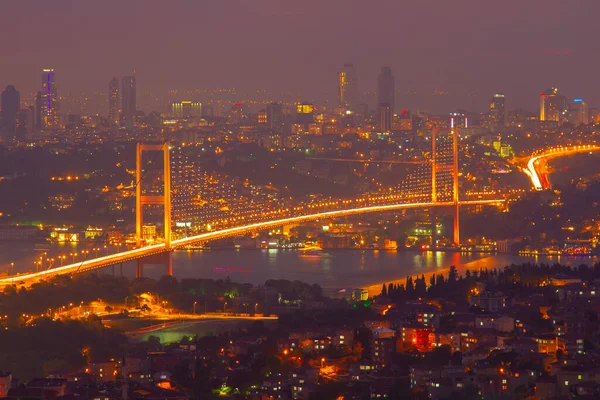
x: 12, y: 266
x: 255, y: 305
x: 195, y: 307
x: 322, y: 361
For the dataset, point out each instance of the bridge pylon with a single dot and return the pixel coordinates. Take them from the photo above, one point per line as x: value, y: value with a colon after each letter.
x: 455, y: 198
x: 455, y: 193
x: 164, y: 200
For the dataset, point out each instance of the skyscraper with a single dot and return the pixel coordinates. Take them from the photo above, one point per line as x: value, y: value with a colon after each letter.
x: 385, y: 118
x: 553, y: 106
x: 49, y: 101
x: 128, y: 100
x: 386, y: 88
x: 11, y: 103
x: 497, y: 112
x: 348, y: 87
x: 579, y: 113
x: 113, y: 102
x: 275, y: 116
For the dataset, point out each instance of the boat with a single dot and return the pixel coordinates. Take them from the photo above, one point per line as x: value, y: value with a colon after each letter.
x: 313, y: 251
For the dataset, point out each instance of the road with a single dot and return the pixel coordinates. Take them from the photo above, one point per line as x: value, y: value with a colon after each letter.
x: 129, y: 255
x: 538, y: 178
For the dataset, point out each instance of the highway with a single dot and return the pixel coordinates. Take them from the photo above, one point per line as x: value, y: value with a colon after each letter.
x: 539, y: 179
x: 129, y: 255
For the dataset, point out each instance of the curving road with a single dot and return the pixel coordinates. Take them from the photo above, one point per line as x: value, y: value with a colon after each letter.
x: 539, y: 180
x: 129, y: 255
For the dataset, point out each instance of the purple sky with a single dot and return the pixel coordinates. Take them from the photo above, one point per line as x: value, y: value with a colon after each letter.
x: 469, y: 48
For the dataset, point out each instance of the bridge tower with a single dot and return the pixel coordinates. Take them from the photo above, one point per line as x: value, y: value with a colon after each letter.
x: 455, y: 186
x: 434, y: 188
x: 165, y: 200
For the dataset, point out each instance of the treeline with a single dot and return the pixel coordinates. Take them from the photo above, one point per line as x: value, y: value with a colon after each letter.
x: 57, y: 346
x: 208, y: 294
x: 510, y: 280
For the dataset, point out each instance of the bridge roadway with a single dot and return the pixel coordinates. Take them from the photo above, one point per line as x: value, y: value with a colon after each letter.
x: 130, y: 255
x: 539, y: 179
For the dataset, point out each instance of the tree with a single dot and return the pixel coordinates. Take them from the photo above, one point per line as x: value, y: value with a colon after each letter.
x: 384, y: 291
x: 420, y: 286
x: 452, y: 275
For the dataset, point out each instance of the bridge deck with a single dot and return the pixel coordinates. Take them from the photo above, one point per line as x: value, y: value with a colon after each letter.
x: 130, y: 255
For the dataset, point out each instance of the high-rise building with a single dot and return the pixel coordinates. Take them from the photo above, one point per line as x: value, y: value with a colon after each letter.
x: 578, y: 113
x: 304, y: 113
x: 275, y: 116
x: 385, y: 118
x: 497, y: 116
x: 25, y: 123
x: 553, y: 106
x: 50, y: 118
x: 186, y: 109
x: 386, y: 88
x: 348, y: 87
x: 113, y: 102
x: 237, y: 114
x: 39, y: 105
x: 128, y: 100
x: 11, y: 103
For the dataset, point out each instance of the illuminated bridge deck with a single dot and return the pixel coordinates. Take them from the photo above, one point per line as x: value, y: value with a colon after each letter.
x: 130, y: 255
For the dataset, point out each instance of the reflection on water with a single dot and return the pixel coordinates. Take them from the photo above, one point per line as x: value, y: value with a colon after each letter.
x: 342, y: 268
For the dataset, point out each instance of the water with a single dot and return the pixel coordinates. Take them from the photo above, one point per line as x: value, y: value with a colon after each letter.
x: 342, y: 268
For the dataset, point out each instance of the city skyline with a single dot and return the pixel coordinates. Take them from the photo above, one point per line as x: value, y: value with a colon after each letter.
x: 489, y: 54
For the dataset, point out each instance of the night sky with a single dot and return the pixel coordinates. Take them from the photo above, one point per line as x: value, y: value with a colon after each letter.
x: 468, y: 48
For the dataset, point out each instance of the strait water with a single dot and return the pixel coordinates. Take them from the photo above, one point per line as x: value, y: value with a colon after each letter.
x: 333, y: 269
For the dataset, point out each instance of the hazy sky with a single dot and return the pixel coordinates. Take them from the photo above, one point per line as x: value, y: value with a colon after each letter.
x: 469, y: 48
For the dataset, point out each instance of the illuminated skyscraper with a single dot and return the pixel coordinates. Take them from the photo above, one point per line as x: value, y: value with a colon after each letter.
x: 553, y: 106
x: 49, y: 105
x: 348, y: 87
x: 11, y: 103
x: 186, y: 109
x: 497, y: 111
x: 578, y: 113
x: 113, y: 102
x: 386, y: 88
x: 128, y: 100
